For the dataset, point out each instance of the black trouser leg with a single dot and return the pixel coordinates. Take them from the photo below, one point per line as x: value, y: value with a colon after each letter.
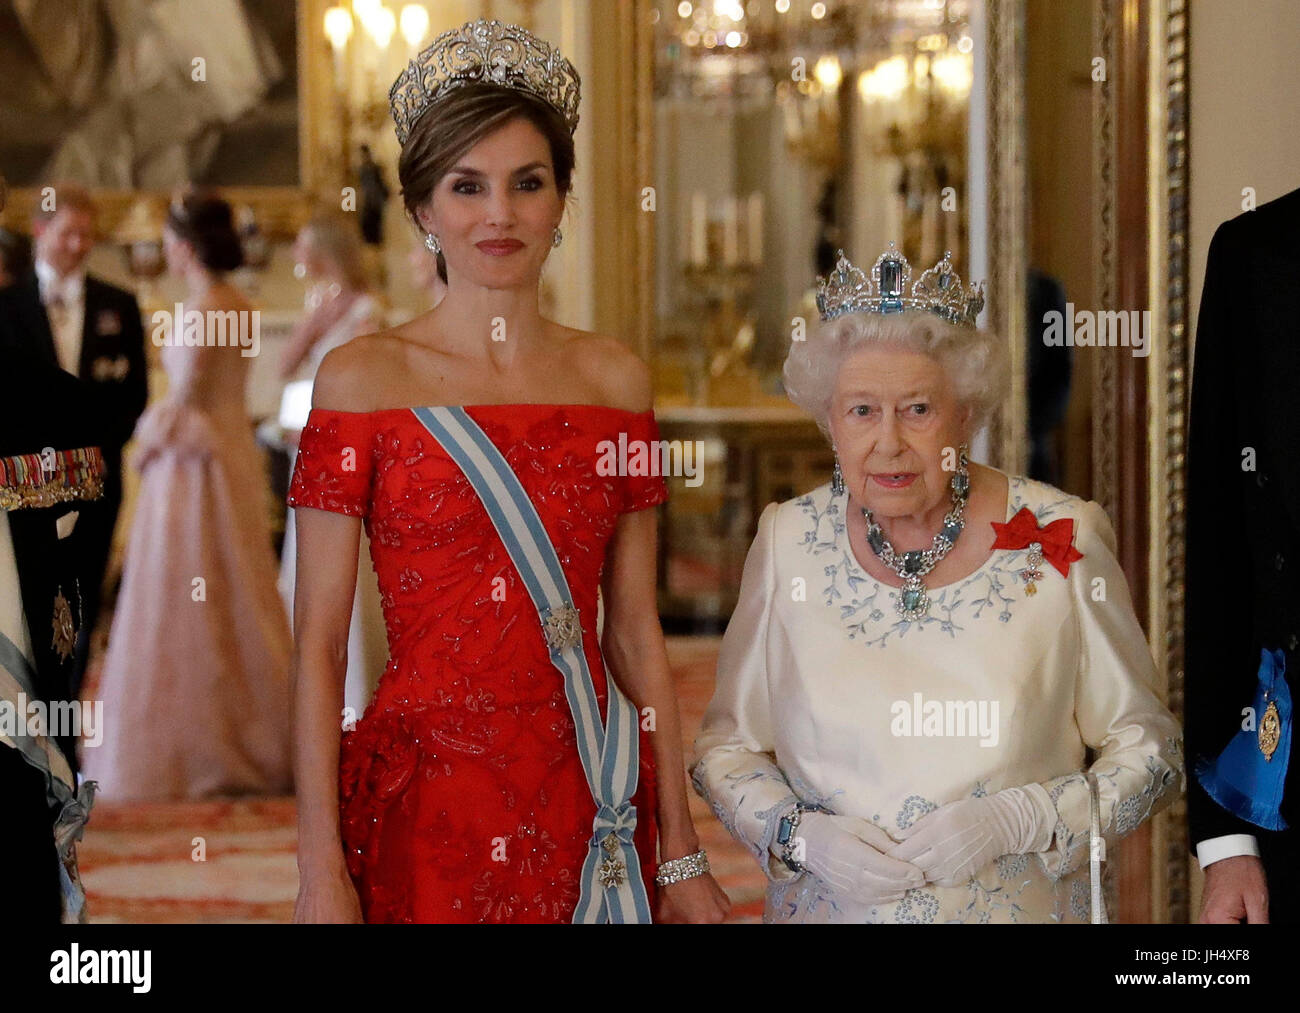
x: 29, y: 861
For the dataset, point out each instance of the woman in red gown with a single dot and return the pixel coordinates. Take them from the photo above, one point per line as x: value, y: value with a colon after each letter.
x: 461, y: 794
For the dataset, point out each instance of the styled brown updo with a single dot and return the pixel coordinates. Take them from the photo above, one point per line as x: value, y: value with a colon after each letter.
x: 206, y: 222
x: 457, y: 122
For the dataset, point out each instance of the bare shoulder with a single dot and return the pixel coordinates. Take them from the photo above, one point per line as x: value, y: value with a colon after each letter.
x: 354, y: 376
x: 619, y: 376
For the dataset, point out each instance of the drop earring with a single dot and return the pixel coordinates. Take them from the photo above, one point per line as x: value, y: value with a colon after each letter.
x: 837, y: 479
x: 431, y: 242
x: 557, y: 237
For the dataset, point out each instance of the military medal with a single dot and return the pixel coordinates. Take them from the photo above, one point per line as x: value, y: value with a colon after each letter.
x: 1031, y: 572
x: 1052, y: 543
x: 50, y: 477
x: 1270, y: 731
x: 65, y: 633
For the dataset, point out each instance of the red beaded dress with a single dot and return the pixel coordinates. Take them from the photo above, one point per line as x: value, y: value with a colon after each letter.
x: 462, y: 793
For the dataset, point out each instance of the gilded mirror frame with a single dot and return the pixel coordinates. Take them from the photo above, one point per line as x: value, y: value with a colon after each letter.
x: 622, y: 97
x: 1169, y: 374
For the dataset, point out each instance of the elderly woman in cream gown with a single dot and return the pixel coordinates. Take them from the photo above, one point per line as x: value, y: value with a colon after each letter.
x: 924, y: 649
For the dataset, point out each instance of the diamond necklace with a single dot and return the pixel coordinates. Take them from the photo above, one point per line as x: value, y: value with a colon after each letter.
x: 913, y: 602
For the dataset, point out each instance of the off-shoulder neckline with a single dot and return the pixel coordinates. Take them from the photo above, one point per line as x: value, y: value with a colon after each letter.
x: 516, y: 405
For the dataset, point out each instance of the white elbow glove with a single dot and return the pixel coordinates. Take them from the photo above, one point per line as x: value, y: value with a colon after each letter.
x: 957, y: 840
x: 848, y: 855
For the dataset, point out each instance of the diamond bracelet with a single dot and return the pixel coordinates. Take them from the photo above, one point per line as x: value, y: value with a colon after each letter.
x: 683, y: 868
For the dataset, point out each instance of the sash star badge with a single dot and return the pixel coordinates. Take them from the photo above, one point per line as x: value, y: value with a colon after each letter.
x: 561, y: 627
x: 612, y: 872
x: 65, y: 633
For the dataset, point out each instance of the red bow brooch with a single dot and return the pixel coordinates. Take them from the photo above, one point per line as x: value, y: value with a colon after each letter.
x: 1052, y: 543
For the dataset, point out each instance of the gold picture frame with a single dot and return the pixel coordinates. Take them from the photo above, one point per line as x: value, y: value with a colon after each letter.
x: 279, y: 210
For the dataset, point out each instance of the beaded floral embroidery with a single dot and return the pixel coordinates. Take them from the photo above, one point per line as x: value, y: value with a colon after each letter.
x: 462, y: 786
x: 866, y: 606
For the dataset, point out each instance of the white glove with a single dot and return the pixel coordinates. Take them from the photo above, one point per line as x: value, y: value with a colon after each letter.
x: 848, y: 855
x: 957, y: 840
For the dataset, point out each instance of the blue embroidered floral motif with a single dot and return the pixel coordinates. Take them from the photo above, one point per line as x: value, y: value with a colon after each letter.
x: 807, y: 793
x: 1080, y: 899
x: 865, y: 604
x: 985, y: 900
x: 730, y: 819
x: 1136, y: 808
x: 914, y: 807
x: 918, y: 907
x: 812, y: 537
x: 1120, y: 816
x: 1128, y: 814
x: 800, y: 899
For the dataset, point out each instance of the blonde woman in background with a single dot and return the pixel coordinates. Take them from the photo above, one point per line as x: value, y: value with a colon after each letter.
x: 340, y: 307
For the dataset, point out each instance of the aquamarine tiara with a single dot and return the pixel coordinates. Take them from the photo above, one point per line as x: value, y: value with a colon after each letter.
x: 486, y: 52
x: 939, y: 290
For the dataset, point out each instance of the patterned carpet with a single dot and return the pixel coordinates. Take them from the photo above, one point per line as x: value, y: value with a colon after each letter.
x: 233, y: 861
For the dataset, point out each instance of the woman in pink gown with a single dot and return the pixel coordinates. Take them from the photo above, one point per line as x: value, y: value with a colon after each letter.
x: 195, y: 682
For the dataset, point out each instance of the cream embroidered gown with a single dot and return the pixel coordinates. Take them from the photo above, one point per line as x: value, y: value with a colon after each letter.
x: 816, y: 699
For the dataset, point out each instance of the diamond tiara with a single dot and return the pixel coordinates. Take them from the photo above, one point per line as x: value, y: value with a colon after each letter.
x: 484, y: 52
x: 939, y: 290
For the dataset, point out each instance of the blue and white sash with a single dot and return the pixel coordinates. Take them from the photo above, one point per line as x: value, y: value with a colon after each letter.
x: 612, y: 890
x: 17, y: 681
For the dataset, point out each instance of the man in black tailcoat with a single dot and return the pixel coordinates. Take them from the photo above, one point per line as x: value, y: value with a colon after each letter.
x: 1243, y: 568
x: 60, y: 316
x: 50, y: 476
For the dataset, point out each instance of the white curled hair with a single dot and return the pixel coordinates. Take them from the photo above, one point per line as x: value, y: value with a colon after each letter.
x: 975, y: 361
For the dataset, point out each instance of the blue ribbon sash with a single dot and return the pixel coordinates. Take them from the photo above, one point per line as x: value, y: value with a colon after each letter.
x: 1249, y: 776
x: 612, y: 889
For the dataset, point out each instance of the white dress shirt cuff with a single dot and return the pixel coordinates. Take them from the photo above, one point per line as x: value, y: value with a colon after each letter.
x: 1216, y: 849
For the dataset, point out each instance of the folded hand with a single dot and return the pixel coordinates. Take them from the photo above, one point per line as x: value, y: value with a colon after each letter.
x: 957, y: 840
x: 849, y: 855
